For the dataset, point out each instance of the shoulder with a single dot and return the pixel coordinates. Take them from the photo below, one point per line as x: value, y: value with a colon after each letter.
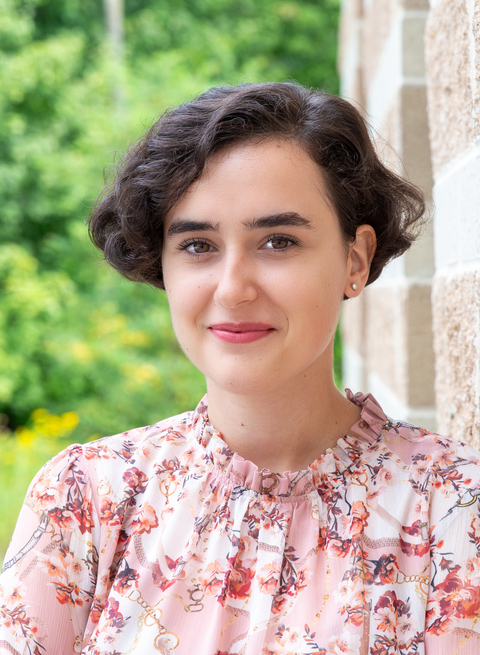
x: 422, y: 449
x: 126, y: 446
x: 105, y: 466
x: 441, y: 469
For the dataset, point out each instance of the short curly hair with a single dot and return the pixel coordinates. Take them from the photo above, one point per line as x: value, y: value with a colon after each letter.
x: 126, y: 222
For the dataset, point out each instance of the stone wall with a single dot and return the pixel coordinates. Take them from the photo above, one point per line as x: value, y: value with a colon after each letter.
x: 452, y: 48
x: 413, y: 337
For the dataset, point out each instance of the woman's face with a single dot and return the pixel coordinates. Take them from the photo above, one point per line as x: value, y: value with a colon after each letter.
x: 255, y: 269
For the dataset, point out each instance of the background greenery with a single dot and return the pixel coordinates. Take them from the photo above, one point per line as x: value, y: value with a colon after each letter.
x: 82, y: 352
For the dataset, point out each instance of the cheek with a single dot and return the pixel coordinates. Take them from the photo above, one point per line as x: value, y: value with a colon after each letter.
x: 315, y: 306
x: 186, y: 299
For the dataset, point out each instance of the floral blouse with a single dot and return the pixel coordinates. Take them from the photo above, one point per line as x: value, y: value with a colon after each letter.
x: 163, y: 540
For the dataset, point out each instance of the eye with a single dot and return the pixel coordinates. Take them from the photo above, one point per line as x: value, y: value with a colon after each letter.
x: 196, y: 246
x: 199, y: 247
x: 280, y: 242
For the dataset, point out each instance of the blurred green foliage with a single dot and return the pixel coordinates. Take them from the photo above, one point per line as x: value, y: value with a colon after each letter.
x: 75, y: 337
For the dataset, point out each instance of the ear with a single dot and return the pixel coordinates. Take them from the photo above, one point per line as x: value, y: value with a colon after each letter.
x: 360, y: 255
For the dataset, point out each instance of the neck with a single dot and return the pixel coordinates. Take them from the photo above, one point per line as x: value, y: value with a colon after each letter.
x: 284, y: 429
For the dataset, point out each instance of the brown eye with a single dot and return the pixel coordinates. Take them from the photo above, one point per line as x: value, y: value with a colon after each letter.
x: 278, y: 243
x: 199, y: 247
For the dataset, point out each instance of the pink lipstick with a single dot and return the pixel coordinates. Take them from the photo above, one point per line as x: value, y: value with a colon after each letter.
x: 241, y: 332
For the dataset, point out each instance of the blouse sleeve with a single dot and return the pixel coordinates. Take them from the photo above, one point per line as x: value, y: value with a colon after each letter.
x: 48, y: 578
x: 453, y: 608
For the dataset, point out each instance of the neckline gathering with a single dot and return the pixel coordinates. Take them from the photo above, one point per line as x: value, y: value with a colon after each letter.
x: 244, y: 475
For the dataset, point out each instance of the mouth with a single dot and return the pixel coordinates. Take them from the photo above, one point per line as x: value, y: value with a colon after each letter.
x: 241, y: 332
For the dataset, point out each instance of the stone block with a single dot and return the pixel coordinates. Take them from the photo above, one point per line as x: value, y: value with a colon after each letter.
x: 413, y: 49
x: 420, y: 357
x: 415, y: 4
x: 456, y: 326
x: 448, y: 67
x: 399, y: 340
x: 457, y: 224
x: 415, y: 149
x: 419, y: 260
x: 386, y: 336
x: 475, y: 65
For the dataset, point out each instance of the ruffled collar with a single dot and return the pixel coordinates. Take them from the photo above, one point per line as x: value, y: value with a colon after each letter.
x: 246, y: 475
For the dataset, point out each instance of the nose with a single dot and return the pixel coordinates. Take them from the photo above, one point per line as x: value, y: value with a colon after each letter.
x: 235, y: 282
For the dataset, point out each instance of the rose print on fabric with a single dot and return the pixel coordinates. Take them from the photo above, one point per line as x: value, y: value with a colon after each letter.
x: 213, y: 578
x: 146, y: 520
x: 162, y: 539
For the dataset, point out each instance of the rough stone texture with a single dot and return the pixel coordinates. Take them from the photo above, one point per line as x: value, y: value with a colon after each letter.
x: 450, y: 103
x: 390, y: 328
x: 475, y: 35
x: 456, y: 324
x: 377, y: 21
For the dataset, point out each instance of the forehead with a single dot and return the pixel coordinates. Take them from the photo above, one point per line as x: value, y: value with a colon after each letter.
x: 252, y: 179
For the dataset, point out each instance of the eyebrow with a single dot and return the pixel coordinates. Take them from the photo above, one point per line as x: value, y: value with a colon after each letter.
x: 291, y: 219
x: 182, y: 225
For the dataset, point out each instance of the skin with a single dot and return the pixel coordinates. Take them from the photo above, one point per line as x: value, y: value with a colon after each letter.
x: 256, y: 240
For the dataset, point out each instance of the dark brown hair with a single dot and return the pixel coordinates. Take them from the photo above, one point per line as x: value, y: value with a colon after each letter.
x: 127, y: 221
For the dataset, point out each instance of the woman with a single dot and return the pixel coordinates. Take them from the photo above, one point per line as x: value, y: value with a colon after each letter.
x: 281, y: 517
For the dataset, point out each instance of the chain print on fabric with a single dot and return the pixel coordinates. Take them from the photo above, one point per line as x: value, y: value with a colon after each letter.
x: 166, y: 641
x: 425, y: 486
x: 32, y: 542
x: 422, y: 583
x: 196, y: 596
x: 467, y: 637
x: 383, y: 542
x: 268, y: 475
x: 140, y: 624
x: 78, y: 645
x: 165, y: 486
x: 3, y: 644
x: 326, y: 595
x: 53, y: 545
x: 196, y: 605
x: 140, y: 553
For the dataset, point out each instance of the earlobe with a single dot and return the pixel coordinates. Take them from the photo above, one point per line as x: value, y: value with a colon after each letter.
x: 360, y: 256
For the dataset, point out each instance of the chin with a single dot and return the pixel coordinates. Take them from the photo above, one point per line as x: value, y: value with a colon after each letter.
x: 246, y: 383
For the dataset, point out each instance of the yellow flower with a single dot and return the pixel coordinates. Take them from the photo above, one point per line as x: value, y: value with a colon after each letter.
x: 134, y: 338
x: 51, y: 425
x: 82, y: 351
x: 25, y: 437
x: 137, y: 375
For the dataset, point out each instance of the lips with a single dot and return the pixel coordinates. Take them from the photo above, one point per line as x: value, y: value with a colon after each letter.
x: 241, y: 332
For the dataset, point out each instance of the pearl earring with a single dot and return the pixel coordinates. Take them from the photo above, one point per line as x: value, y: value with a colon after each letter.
x: 354, y: 286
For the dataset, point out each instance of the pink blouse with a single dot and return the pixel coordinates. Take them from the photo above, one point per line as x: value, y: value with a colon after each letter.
x: 162, y: 539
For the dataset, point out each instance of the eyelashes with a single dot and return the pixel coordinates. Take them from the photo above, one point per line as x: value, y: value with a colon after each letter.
x: 281, y: 238
x: 185, y: 245
x: 197, y: 247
